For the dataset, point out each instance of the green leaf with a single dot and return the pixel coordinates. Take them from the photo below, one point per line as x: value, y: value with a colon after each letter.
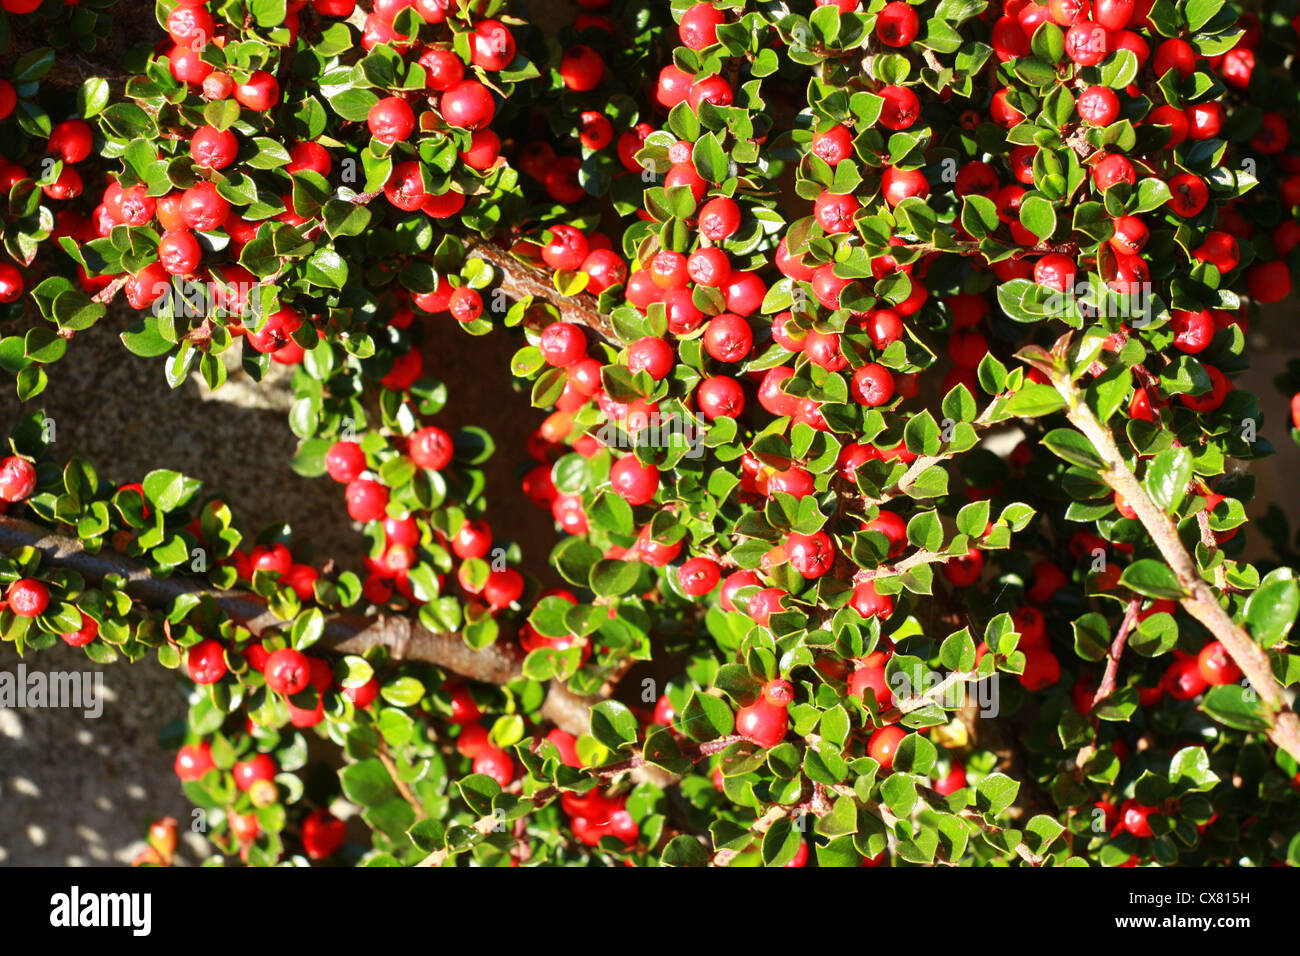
x: 1190, y: 770
x: 613, y: 724
x: 1073, y: 447
x: 683, y: 850
x: 1271, y: 610
x: 1152, y: 578
x: 1034, y: 401
x: 1167, y: 476
x: 1038, y: 215
x: 1235, y: 706
x: 367, y: 783
x: 995, y: 793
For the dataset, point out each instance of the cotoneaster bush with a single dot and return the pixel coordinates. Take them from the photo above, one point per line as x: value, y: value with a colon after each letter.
x: 888, y: 353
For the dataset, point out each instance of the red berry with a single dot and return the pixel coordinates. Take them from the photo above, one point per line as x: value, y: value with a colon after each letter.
x: 213, y: 148
x: 287, y: 671
x: 193, y: 761
x: 1087, y: 43
x: 366, y: 500
x: 17, y: 478
x: 390, y: 120
x: 762, y: 722
x: 836, y: 144
x: 812, y: 555
x: 581, y: 68
x: 250, y: 771
x: 1216, y: 665
x: 1135, y: 818
x: 883, y: 746
x: 467, y: 105
x: 897, y: 24
x: 431, y: 447
x: 872, y: 385
x: 699, y: 26
x: 1098, y: 106
x: 720, y: 396
x: 206, y: 661
x: 492, y: 45
x: 1190, y: 194
x: 635, y: 482
x: 322, y: 834
x: 259, y: 93
x: 698, y: 576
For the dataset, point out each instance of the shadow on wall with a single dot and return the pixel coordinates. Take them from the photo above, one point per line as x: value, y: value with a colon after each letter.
x: 84, y: 791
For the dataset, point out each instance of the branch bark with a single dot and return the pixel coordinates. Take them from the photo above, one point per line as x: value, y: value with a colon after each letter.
x: 404, y: 638
x: 520, y: 280
x: 1198, y: 600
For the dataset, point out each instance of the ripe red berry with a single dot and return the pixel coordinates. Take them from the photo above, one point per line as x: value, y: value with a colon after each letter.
x: 287, y: 671
x: 812, y: 555
x: 1087, y: 43
x: 836, y: 144
x: 762, y: 722
x: 1098, y: 106
x: 652, y: 355
x: 193, y: 761
x: 635, y: 482
x: 872, y: 385
x: 834, y: 213
x: 495, y: 763
x: 698, y: 576
x: 899, y: 184
x: 431, y: 447
x: 390, y: 120
x: 367, y: 500
x: 213, y: 148
x: 1189, y: 194
x: 1042, y: 669
x: 711, y: 89
x: 1269, y: 281
x: 256, y: 768
x: 17, y: 478
x: 322, y: 834
x: 467, y: 105
x: 720, y: 396
x: 492, y: 45
x: 897, y: 24
x: 1111, y: 170
x: 206, y: 661
x: 562, y: 344
x: 581, y: 68
x: 259, y: 93
x: 71, y: 140
x: 1193, y: 331
x: 719, y: 218
x: 1216, y: 665
x: 883, y: 746
x: 1136, y: 818
x: 203, y: 208
x: 1204, y: 120
x: 698, y: 28
x: 1130, y: 235
x: 900, y: 110
x: 11, y: 283
x: 1174, y: 54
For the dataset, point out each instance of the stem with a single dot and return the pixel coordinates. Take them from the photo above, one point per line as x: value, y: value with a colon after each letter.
x: 1107, y: 686
x: 1198, y: 600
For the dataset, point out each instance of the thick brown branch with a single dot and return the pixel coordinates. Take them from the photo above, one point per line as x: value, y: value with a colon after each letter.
x: 344, y: 634
x: 520, y: 280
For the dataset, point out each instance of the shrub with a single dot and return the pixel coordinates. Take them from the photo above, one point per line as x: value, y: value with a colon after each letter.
x: 888, y: 351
